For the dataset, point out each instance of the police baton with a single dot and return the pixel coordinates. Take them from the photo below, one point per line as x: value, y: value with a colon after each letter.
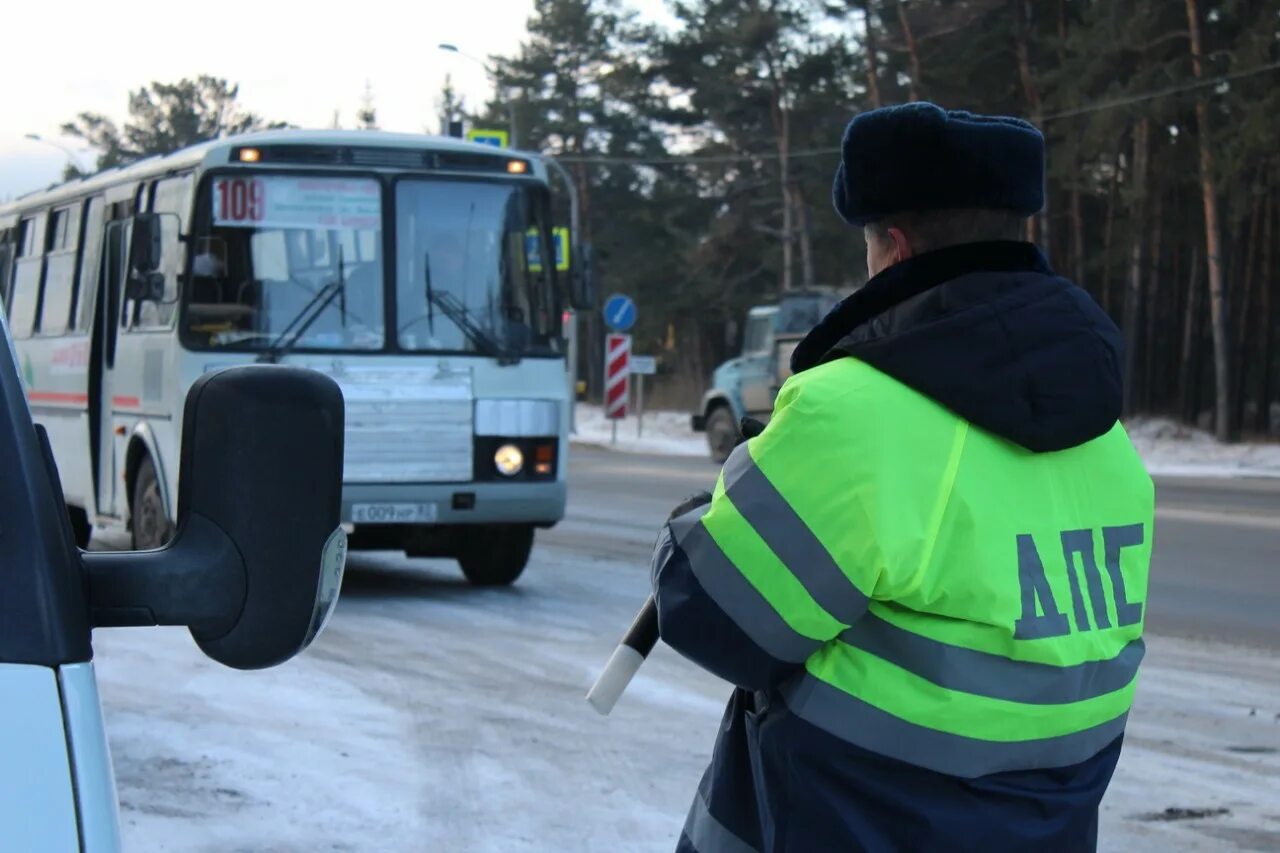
x: 626, y: 659
x: 642, y: 636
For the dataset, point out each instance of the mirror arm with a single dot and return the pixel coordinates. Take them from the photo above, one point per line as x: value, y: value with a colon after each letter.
x: 197, y: 581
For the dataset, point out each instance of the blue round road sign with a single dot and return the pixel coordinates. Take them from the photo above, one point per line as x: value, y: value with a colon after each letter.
x: 620, y: 313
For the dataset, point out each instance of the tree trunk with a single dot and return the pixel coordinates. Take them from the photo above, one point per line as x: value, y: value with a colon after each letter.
x: 804, y: 231
x: 1077, y: 236
x: 873, y: 60
x: 1077, y: 215
x: 1108, y: 231
x: 784, y: 183
x: 1267, y: 315
x: 1037, y: 226
x: 1152, y: 305
x: 1189, y: 378
x: 1245, y: 316
x: 1212, y: 239
x: 1133, y: 293
x: 917, y: 80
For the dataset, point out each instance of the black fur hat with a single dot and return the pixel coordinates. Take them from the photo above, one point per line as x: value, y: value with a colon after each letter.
x: 919, y: 156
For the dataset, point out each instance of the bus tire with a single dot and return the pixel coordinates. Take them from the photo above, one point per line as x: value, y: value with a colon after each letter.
x: 722, y: 434
x: 81, y: 529
x: 495, y: 556
x: 150, y: 526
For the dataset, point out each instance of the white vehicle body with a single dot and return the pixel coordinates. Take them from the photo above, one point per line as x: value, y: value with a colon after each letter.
x: 107, y: 374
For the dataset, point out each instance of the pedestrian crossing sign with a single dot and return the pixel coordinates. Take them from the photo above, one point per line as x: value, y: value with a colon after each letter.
x: 494, y: 138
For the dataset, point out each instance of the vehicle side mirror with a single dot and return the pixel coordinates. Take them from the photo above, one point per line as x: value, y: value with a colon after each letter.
x: 255, y: 566
x: 145, y: 287
x: 584, y: 281
x: 146, y: 248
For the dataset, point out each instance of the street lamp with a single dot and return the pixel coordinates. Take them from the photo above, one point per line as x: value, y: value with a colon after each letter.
x: 511, y: 110
x: 35, y: 137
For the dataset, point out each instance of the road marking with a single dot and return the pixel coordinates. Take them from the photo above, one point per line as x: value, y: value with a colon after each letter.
x: 1260, y: 522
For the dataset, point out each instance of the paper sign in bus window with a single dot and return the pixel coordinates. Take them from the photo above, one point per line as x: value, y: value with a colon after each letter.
x: 271, y: 201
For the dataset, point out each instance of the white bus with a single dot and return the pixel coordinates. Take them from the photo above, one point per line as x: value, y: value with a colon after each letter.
x: 417, y: 271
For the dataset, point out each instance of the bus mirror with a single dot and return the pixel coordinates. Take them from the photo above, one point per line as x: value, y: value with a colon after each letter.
x: 145, y: 287
x: 146, y: 246
x: 256, y: 564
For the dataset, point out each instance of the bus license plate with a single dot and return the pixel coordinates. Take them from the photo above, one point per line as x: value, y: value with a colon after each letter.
x: 393, y: 513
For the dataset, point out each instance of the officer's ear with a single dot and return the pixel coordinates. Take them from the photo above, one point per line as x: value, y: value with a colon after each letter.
x: 902, y: 248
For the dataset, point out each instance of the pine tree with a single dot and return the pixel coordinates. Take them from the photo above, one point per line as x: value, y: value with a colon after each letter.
x: 165, y: 117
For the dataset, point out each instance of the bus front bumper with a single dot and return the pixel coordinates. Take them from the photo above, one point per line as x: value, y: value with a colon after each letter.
x: 541, y: 504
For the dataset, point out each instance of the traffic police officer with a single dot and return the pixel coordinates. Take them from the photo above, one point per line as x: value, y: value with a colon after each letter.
x: 927, y: 575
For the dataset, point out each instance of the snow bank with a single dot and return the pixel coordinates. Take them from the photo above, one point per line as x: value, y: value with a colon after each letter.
x: 665, y: 433
x: 1172, y: 448
x: 1167, y: 447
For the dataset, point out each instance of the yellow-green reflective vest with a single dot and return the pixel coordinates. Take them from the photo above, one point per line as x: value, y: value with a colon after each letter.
x: 957, y: 601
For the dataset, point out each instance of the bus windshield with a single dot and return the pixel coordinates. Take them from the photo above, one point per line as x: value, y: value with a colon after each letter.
x: 285, y: 262
x: 290, y: 260
x: 474, y: 268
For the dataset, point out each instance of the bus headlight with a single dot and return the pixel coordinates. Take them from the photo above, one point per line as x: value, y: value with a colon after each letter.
x: 509, y: 460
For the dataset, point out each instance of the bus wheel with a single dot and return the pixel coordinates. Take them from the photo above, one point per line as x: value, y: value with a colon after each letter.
x: 495, y: 556
x: 151, y: 527
x: 722, y: 434
x: 81, y: 529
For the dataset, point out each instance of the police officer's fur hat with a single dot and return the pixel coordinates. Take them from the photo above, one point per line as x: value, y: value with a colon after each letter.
x: 920, y: 157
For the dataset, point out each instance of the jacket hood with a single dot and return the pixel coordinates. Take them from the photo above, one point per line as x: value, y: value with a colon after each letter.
x: 992, y: 333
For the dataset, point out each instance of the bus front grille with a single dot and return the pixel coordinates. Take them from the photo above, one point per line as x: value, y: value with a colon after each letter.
x: 404, y: 427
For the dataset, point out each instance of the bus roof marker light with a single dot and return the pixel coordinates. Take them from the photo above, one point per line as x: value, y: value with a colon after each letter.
x: 250, y: 155
x: 517, y: 167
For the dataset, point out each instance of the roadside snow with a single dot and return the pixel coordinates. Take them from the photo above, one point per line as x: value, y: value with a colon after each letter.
x: 665, y: 433
x: 1174, y: 449
x: 1167, y: 447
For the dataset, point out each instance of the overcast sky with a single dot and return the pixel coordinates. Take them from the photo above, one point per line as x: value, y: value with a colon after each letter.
x: 295, y: 62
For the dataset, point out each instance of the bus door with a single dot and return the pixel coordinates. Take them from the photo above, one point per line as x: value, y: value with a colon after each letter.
x: 108, y: 476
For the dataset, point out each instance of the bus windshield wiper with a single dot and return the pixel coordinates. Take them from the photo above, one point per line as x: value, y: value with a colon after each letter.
x: 453, y: 308
x: 304, y: 319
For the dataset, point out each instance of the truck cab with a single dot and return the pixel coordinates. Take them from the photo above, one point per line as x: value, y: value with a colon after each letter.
x: 746, y: 386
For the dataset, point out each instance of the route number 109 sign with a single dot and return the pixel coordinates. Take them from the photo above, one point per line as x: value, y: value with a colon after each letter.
x: 275, y: 201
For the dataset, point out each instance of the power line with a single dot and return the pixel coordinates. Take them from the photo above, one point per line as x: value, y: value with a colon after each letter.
x: 1163, y: 93
x: 1101, y: 106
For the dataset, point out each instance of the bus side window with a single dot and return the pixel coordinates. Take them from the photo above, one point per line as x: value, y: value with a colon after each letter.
x: 115, y: 248
x: 59, y: 270
x: 28, y: 264
x: 90, y: 260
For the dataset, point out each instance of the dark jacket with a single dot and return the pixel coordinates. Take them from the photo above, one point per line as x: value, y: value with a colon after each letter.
x: 989, y: 331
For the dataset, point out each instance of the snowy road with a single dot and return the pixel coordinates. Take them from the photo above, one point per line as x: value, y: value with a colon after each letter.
x: 431, y: 716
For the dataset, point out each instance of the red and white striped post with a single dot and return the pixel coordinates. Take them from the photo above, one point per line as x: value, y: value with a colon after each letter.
x: 617, y: 374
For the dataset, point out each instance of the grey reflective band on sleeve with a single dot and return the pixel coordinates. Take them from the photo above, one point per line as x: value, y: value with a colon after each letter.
x: 866, y: 726
x: 790, y: 539
x: 709, y: 835
x: 735, y: 595
x: 985, y: 674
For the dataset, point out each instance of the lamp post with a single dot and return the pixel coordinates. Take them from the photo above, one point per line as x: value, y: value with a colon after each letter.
x: 71, y: 157
x: 511, y: 109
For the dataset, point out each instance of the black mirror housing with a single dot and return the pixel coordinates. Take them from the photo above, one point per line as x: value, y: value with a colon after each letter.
x: 145, y: 246
x: 256, y: 564
x: 145, y: 287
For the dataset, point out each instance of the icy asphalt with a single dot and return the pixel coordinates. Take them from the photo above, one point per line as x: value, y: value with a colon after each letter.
x: 431, y: 716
